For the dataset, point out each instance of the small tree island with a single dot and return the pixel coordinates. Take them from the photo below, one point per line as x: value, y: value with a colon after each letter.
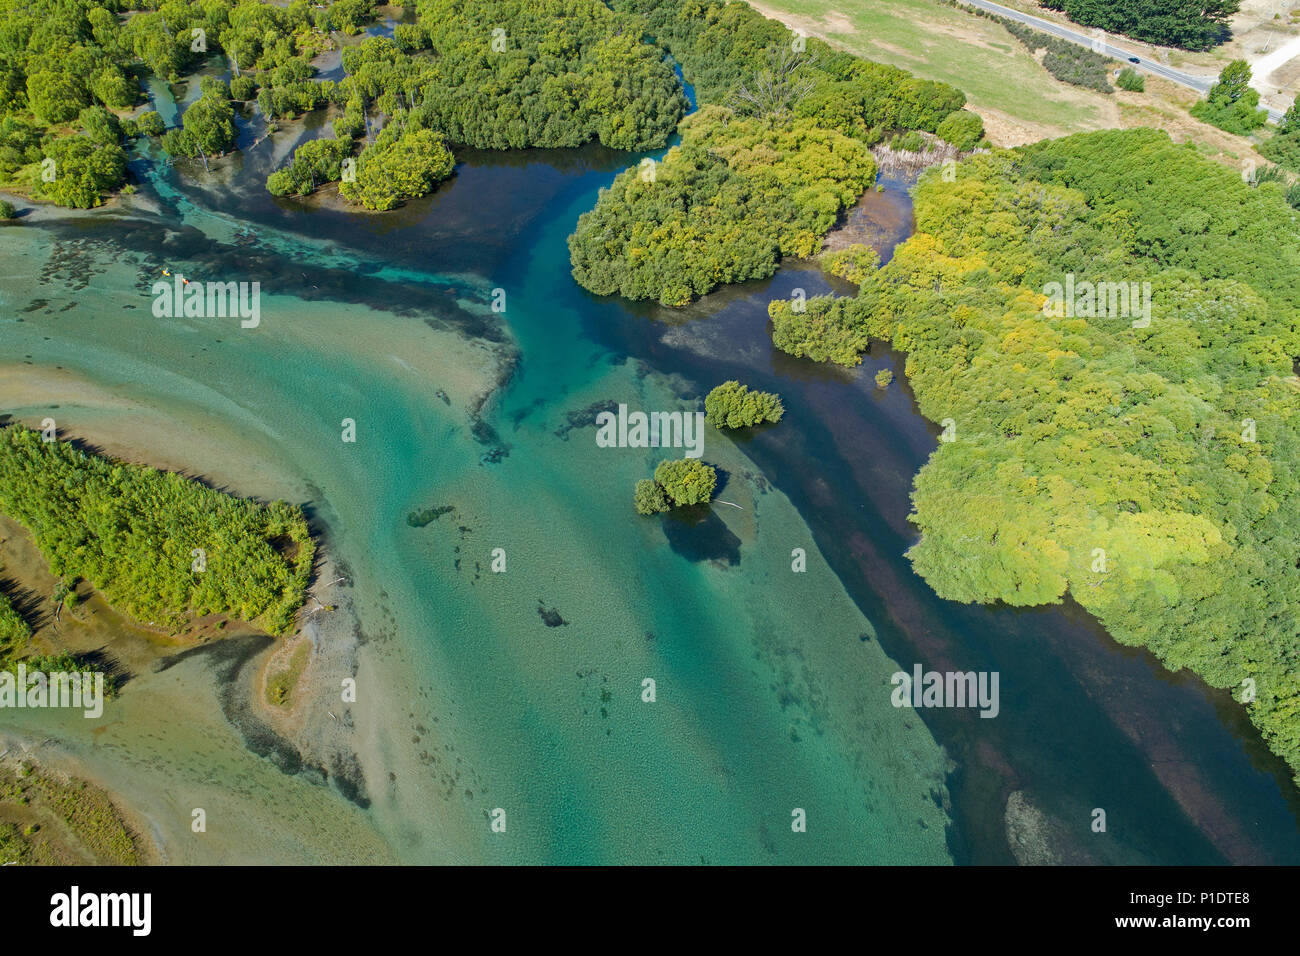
x: 732, y: 405
x: 677, y: 482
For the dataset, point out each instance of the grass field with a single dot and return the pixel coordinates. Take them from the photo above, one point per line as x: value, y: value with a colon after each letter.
x: 1018, y: 99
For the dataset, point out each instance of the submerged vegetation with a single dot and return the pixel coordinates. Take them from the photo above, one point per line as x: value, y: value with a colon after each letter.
x: 71, y: 71
x: 87, y: 824
x: 492, y: 75
x: 1141, y: 462
x: 425, y: 516
x: 281, y: 684
x: 158, y: 545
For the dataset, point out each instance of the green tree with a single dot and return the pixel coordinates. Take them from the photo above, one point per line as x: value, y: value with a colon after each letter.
x: 1291, y: 118
x: 55, y: 96
x: 208, y: 126
x: 825, y: 329
x: 14, y: 632
x: 83, y: 171
x: 687, y: 481
x: 1131, y: 80
x: 399, y: 165
x: 962, y: 128
x: 1232, y: 104
x: 650, y: 498
x: 100, y: 125
x: 1142, y: 468
x: 150, y: 123
x: 854, y: 262
x: 732, y: 405
x: 314, y: 163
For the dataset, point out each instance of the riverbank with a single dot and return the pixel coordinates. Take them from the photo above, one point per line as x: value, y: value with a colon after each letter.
x: 210, y: 680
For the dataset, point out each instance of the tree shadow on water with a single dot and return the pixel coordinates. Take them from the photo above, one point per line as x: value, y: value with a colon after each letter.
x: 698, y: 534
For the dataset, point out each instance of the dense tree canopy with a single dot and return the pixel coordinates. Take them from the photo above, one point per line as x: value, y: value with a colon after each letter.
x: 778, y: 148
x: 314, y: 163
x: 962, y: 128
x: 724, y: 206
x: 649, y: 497
x: 400, y: 165
x: 515, y: 73
x: 686, y: 481
x: 723, y: 47
x: 135, y: 534
x: 61, y: 65
x: 66, y: 65
x: 80, y: 171
x: 499, y: 75
x: 1283, y: 147
x: 1145, y: 468
x: 677, y: 483
x: 1190, y: 24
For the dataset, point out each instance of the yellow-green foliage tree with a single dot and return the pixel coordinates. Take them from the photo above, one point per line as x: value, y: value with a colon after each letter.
x: 686, y: 481
x: 726, y: 205
x: 400, y: 165
x: 158, y: 545
x: 777, y: 150
x: 1146, y: 468
x: 732, y: 405
x: 854, y: 262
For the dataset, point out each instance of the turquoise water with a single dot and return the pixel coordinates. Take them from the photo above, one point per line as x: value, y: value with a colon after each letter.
x: 772, y: 687
x: 753, y: 718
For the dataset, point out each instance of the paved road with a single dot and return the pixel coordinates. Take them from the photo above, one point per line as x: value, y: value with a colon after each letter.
x: 1084, y: 37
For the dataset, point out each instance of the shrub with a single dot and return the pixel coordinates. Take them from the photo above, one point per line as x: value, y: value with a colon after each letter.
x: 14, y: 631
x: 100, y: 125
x: 243, y: 88
x: 909, y: 142
x: 732, y: 405
x: 650, y: 498
x: 1066, y: 61
x: 962, y: 128
x: 150, y: 123
x: 853, y: 263
x: 1131, y: 80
